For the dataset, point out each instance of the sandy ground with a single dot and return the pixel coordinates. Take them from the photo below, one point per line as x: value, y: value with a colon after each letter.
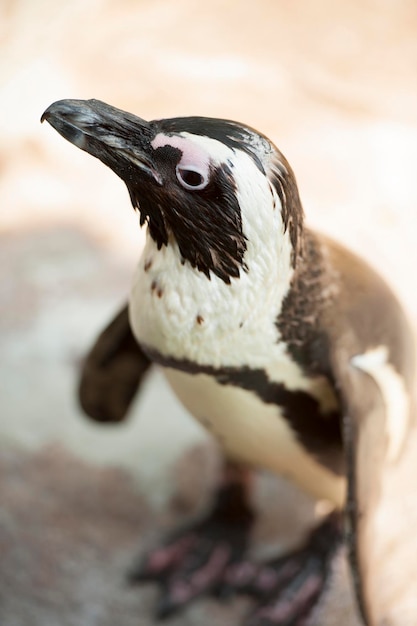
x: 334, y: 84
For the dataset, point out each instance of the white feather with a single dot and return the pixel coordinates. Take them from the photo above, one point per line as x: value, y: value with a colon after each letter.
x: 375, y: 363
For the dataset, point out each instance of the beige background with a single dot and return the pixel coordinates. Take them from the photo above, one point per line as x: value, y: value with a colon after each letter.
x: 333, y: 84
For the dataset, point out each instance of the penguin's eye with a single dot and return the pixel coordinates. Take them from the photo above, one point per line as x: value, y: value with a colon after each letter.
x: 191, y: 178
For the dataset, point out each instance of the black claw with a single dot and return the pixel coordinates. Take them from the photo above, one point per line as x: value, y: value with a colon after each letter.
x: 175, y: 595
x: 142, y: 573
x: 158, y: 565
x: 139, y: 574
x: 165, y: 609
x: 223, y: 592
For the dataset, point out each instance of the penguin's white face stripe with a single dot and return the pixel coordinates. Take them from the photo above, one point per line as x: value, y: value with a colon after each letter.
x: 194, y: 158
x: 218, y: 152
x: 258, y: 201
x: 199, y: 153
x: 191, y: 152
x: 375, y: 363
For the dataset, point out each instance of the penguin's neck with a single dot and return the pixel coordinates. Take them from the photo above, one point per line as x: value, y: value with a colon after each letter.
x: 178, y: 312
x: 313, y: 291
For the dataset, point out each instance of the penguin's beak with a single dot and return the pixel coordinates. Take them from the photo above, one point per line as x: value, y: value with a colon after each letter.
x: 120, y: 140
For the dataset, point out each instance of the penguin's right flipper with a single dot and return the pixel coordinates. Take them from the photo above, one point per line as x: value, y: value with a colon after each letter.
x: 112, y: 372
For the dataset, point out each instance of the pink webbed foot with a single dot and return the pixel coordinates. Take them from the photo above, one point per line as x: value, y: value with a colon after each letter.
x: 194, y: 560
x: 287, y: 589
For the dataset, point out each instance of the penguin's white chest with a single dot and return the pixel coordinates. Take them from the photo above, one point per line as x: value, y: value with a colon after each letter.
x: 251, y: 431
x: 179, y: 312
x: 180, y: 316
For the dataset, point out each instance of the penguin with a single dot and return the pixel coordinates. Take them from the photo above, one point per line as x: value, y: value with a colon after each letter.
x: 286, y: 346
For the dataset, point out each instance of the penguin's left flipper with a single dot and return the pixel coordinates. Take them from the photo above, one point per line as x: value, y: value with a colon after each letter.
x: 370, y: 350
x: 112, y: 372
x: 363, y: 419
x: 376, y: 398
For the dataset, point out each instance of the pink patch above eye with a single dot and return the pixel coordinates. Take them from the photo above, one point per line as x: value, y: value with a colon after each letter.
x: 193, y: 156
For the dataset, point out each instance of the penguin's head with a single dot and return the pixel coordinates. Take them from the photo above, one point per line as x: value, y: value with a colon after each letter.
x: 213, y: 188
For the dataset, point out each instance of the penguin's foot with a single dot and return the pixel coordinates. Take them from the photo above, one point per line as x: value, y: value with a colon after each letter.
x: 193, y: 561
x: 288, y: 588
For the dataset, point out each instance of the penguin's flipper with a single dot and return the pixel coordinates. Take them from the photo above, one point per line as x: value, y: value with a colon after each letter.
x: 380, y: 439
x: 112, y: 372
